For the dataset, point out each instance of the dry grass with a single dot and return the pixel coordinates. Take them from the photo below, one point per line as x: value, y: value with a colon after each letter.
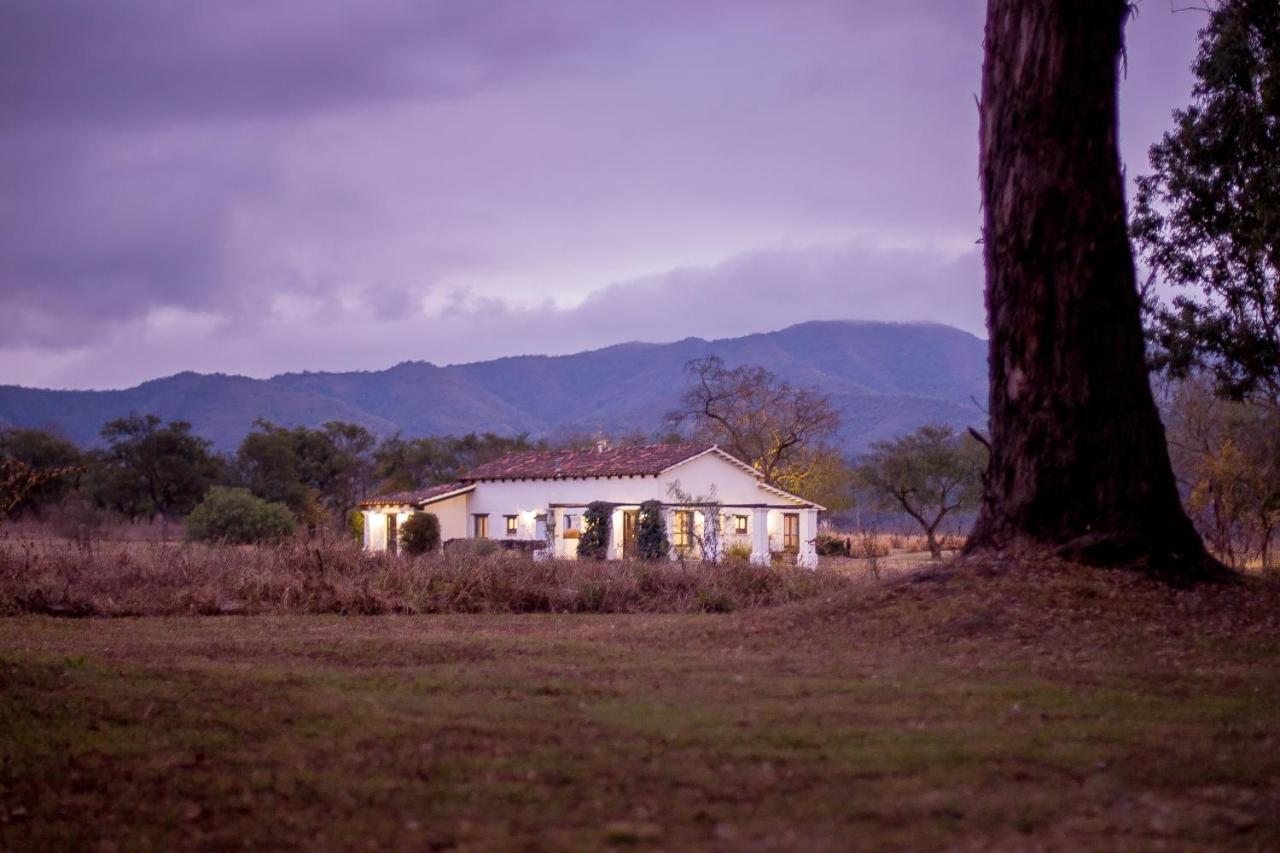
x: 137, y: 579
x: 98, y: 525
x: 1006, y: 705
x: 896, y: 543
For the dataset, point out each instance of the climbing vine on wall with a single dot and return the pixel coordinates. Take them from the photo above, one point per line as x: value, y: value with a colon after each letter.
x: 651, y: 532
x: 596, y: 521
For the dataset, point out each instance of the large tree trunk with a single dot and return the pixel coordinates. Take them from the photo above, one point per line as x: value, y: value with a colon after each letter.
x: 1078, y: 456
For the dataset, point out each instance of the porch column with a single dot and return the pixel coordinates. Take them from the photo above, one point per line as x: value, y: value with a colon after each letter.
x: 807, y: 556
x: 555, y: 521
x: 760, y: 537
x: 364, y: 529
x: 571, y: 545
x: 541, y: 551
x: 717, y: 534
x: 615, y: 535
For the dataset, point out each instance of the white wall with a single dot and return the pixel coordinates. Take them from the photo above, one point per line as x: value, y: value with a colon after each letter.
x: 454, y: 520
x: 701, y: 478
x: 713, y: 472
x: 704, y: 477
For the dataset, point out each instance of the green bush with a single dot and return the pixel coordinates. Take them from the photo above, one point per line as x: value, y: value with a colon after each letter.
x: 651, y: 532
x: 237, y: 517
x: 420, y: 533
x: 355, y: 525
x: 596, y: 522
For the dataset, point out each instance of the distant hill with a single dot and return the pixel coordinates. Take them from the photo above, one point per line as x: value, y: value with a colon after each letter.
x: 887, y: 378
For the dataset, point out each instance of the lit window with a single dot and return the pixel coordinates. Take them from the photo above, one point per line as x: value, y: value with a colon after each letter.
x: 511, y: 525
x: 791, y: 531
x: 739, y: 524
x: 682, y: 532
x: 480, y: 526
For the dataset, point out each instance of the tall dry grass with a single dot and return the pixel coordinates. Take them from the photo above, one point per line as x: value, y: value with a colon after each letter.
x: 884, y: 544
x: 136, y: 579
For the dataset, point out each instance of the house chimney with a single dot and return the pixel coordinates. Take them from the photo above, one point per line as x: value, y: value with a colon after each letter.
x: 601, y: 445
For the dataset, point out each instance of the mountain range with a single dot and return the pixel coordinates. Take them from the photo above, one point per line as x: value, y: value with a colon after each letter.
x: 886, y: 378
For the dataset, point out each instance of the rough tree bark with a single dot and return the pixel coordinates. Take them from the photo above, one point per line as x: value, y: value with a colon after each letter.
x: 1078, y: 463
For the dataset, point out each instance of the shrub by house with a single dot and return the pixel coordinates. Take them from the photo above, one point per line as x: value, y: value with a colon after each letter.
x: 420, y: 533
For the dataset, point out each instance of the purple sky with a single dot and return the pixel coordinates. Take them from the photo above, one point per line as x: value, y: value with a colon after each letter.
x: 253, y: 188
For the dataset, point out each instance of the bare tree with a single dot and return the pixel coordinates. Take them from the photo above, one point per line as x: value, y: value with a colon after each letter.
x: 1078, y: 457
x: 756, y: 416
x: 704, y: 541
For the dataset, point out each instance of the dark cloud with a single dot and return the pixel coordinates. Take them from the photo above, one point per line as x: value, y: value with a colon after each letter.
x: 132, y: 131
x: 259, y: 187
x: 153, y: 60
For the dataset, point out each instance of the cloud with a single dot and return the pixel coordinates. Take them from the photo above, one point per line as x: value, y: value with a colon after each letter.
x: 759, y: 291
x: 153, y: 61
x: 137, y: 134
x: 259, y: 187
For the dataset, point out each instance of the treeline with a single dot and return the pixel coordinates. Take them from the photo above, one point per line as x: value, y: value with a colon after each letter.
x: 1226, y: 456
x: 150, y: 469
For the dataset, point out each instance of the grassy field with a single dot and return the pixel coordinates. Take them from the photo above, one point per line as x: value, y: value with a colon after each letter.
x: 974, y: 708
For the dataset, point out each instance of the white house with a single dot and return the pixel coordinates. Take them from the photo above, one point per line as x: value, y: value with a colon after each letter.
x: 538, y: 498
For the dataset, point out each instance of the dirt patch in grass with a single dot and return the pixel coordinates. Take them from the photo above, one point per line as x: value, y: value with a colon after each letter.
x: 1020, y: 706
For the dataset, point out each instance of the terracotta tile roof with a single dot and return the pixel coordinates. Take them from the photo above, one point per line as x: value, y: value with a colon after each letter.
x: 611, y: 462
x: 416, y: 496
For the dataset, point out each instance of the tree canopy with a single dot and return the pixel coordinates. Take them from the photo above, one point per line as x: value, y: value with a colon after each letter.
x: 412, y: 463
x: 927, y: 474
x: 151, y: 468
x: 41, y: 451
x: 1207, y: 218
x: 310, y: 470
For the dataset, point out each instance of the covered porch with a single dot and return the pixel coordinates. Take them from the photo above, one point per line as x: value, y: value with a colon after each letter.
x: 755, y: 531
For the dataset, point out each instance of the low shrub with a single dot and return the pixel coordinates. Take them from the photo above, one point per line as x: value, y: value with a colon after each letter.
x: 471, y: 547
x: 420, y: 533
x: 238, y: 517
x: 831, y: 546
x: 715, y: 602
x: 738, y: 553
